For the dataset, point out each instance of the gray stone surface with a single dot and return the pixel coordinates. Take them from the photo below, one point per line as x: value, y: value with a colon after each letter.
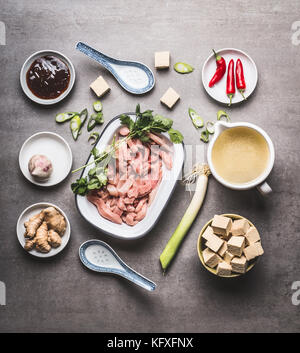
x: 59, y: 295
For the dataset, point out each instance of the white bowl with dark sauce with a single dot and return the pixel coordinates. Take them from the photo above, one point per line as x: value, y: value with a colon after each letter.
x: 47, y: 77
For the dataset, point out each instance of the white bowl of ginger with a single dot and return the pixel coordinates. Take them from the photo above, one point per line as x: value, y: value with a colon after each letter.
x: 229, y: 245
x: 43, y: 235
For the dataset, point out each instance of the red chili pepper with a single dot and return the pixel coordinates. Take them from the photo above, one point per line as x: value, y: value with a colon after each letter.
x: 220, y: 71
x: 240, y: 79
x: 230, y: 87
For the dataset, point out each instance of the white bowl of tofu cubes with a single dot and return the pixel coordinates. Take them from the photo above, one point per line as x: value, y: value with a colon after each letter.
x: 229, y: 245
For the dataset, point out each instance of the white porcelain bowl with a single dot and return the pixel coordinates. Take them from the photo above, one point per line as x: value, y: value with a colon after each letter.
x: 165, y: 190
x: 26, y: 67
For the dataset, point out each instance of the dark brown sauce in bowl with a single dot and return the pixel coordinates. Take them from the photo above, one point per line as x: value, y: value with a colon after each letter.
x: 48, y: 77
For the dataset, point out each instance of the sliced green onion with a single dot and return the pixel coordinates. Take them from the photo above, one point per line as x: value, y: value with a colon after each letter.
x: 204, y: 136
x: 221, y: 114
x: 97, y: 106
x: 94, y: 136
x: 196, y: 119
x: 75, y: 126
x: 210, y: 127
x: 183, y: 68
x: 62, y: 117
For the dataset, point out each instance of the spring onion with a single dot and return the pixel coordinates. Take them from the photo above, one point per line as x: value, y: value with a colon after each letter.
x: 210, y: 127
x: 183, y: 68
x: 196, y: 119
x: 204, y: 136
x: 97, y: 106
x: 201, y: 171
x: 221, y: 114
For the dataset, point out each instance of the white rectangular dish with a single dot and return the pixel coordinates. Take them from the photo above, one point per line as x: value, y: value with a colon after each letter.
x: 169, y: 179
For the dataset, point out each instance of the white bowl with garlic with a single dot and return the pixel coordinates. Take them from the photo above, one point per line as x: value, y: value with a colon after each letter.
x: 45, y: 159
x: 43, y: 229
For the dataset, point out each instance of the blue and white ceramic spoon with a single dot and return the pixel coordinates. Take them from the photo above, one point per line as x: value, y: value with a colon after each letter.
x: 100, y: 257
x: 133, y: 76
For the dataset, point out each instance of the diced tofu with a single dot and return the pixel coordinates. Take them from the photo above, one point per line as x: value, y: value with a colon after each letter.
x: 162, y: 59
x: 239, y: 264
x: 170, y: 97
x: 221, y: 225
x: 100, y: 86
x: 214, y: 243
x: 224, y: 269
x: 228, y: 257
x: 252, y: 236
x: 211, y: 259
x: 236, y: 245
x: 207, y: 233
x: 253, y: 250
x: 223, y: 249
x: 240, y: 227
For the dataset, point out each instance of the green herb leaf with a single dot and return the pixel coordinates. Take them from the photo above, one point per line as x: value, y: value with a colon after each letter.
x: 126, y: 120
x: 175, y: 136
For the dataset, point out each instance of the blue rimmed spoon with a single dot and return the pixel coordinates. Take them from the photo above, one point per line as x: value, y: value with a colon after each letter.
x: 100, y: 257
x: 133, y: 76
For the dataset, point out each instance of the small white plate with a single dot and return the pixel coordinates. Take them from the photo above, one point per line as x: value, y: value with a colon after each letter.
x: 31, y: 211
x: 52, y: 146
x: 218, y: 91
x: 26, y: 67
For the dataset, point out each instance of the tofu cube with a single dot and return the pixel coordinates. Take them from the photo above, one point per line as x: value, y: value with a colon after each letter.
x: 221, y: 225
x: 239, y: 264
x: 253, y: 250
x: 170, y: 97
x: 162, y: 60
x: 207, y: 233
x: 100, y: 86
x: 252, y: 236
x: 223, y: 249
x: 228, y: 257
x: 240, y: 227
x: 224, y: 269
x: 236, y: 245
x: 214, y: 243
x: 211, y: 259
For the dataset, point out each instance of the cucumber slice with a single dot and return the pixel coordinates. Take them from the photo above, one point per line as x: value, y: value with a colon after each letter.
x: 196, y: 119
x: 97, y: 106
x: 63, y: 117
x: 183, y: 68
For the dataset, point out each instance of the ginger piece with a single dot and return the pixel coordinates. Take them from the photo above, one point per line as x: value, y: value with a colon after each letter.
x: 33, y: 224
x: 29, y: 244
x: 54, y: 238
x: 55, y: 220
x: 41, y: 239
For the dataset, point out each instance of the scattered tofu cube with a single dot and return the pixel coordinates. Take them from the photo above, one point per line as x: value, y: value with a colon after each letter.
x: 223, y: 249
x: 228, y: 257
x: 239, y: 264
x: 100, y: 86
x: 236, y: 245
x: 240, y: 227
x: 252, y: 236
x: 224, y: 269
x: 253, y: 250
x: 170, y: 97
x: 221, y: 225
x: 207, y: 233
x: 211, y: 259
x: 162, y: 59
x: 214, y: 243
